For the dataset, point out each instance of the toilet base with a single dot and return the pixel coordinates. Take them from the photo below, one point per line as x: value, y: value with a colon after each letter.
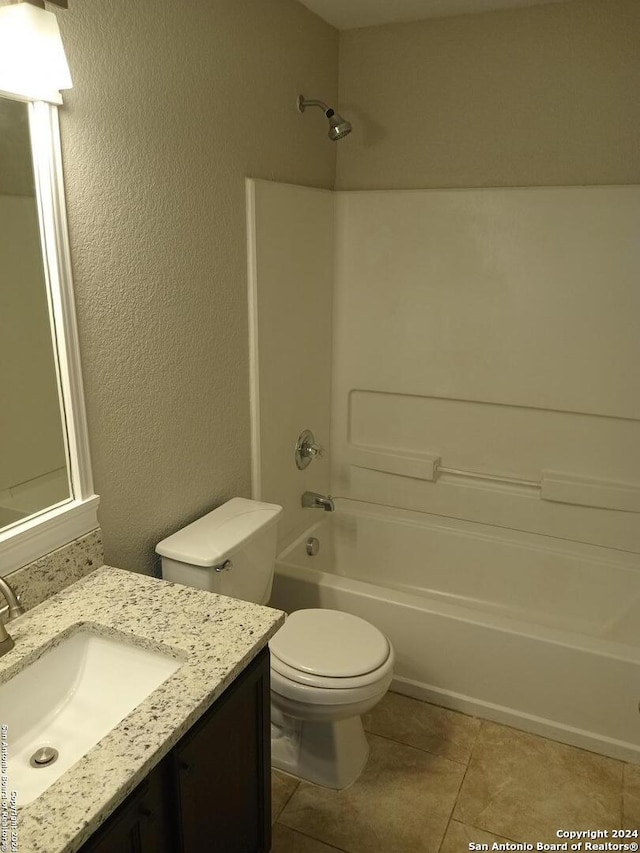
x: 332, y: 754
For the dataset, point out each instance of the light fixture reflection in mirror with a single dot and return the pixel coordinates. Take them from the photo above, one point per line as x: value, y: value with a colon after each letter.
x: 33, y: 453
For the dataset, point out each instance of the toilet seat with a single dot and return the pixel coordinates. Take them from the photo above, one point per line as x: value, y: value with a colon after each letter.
x: 329, y: 643
x: 332, y: 695
x: 330, y: 649
x: 327, y: 682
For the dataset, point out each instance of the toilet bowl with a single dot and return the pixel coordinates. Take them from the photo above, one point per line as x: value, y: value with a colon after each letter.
x: 327, y: 667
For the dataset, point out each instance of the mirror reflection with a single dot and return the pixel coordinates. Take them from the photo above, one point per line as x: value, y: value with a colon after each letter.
x: 33, y: 456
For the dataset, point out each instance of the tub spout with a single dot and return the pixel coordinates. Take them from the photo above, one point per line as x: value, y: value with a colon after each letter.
x: 316, y: 501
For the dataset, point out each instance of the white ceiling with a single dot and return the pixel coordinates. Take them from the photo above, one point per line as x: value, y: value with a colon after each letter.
x: 348, y: 14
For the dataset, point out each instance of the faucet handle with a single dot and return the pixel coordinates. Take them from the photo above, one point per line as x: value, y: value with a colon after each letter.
x: 307, y: 449
x: 313, y: 450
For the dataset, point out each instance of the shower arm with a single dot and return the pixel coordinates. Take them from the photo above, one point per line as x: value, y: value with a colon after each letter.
x: 303, y: 103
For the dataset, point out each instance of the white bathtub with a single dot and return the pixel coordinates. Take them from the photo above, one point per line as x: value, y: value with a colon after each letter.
x: 536, y: 632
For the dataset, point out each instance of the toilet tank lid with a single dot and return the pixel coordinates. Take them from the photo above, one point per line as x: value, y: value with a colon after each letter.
x: 211, y: 539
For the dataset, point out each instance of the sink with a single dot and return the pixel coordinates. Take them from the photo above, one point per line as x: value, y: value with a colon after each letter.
x: 68, y: 700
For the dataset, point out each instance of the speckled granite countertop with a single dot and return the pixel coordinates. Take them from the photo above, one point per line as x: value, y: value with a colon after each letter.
x: 215, y: 636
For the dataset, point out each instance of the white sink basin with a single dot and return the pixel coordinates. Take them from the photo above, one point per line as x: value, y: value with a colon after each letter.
x: 69, y: 699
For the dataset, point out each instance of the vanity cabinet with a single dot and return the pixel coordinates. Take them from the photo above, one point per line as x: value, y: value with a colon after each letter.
x: 213, y: 791
x: 142, y: 823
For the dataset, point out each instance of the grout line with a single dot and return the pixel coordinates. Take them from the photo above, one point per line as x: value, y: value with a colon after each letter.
x: 464, y: 776
x: 475, y: 740
x: 453, y: 807
x: 471, y: 825
x: 491, y: 832
x: 433, y: 704
x: 419, y: 748
x: 313, y: 838
x: 297, y: 785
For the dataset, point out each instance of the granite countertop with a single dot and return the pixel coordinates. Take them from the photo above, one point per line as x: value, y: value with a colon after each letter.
x: 215, y: 636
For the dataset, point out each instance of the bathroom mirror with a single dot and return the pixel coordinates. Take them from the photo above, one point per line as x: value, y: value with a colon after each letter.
x: 33, y: 455
x: 46, y: 493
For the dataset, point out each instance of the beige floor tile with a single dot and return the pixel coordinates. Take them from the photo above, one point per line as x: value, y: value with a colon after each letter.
x: 631, y: 796
x: 287, y: 840
x: 402, y: 802
x: 526, y: 787
x: 459, y: 836
x: 424, y: 726
x: 282, y: 787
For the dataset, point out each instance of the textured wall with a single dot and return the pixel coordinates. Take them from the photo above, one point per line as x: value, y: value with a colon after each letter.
x: 539, y: 96
x: 173, y: 105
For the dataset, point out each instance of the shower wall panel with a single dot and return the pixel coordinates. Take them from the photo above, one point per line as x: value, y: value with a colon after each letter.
x: 493, y: 333
x: 291, y: 252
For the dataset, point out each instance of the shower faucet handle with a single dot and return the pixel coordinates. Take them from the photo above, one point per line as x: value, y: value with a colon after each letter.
x: 314, y: 450
x: 307, y: 449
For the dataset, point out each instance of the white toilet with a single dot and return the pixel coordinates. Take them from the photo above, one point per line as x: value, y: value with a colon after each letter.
x: 327, y: 667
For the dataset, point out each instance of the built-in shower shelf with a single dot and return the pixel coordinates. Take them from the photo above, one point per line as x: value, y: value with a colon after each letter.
x: 552, y: 485
x: 417, y: 465
x: 584, y: 491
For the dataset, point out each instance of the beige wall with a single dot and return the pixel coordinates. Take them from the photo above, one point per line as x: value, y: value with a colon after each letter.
x: 537, y: 96
x: 173, y: 105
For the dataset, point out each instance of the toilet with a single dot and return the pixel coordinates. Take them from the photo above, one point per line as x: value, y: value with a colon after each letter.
x: 327, y: 667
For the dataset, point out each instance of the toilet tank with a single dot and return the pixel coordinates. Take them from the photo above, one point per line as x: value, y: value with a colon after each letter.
x: 230, y: 551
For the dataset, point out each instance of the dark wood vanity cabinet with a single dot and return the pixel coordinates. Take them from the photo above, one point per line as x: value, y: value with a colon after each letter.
x: 222, y: 769
x: 212, y: 793
x: 143, y: 822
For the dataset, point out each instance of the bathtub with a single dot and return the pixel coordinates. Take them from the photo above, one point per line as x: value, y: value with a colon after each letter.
x: 535, y: 632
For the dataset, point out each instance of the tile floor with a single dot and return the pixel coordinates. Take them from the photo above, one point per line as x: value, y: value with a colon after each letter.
x: 437, y: 780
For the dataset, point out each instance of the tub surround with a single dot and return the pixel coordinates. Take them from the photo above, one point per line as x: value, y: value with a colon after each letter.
x: 451, y: 410
x: 214, y: 635
x: 38, y: 581
x: 476, y: 290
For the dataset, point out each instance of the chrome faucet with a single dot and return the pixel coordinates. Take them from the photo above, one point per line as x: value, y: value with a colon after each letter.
x: 316, y: 501
x: 13, y: 609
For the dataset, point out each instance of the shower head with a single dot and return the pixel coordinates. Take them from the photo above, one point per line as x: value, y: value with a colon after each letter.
x: 338, y: 126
